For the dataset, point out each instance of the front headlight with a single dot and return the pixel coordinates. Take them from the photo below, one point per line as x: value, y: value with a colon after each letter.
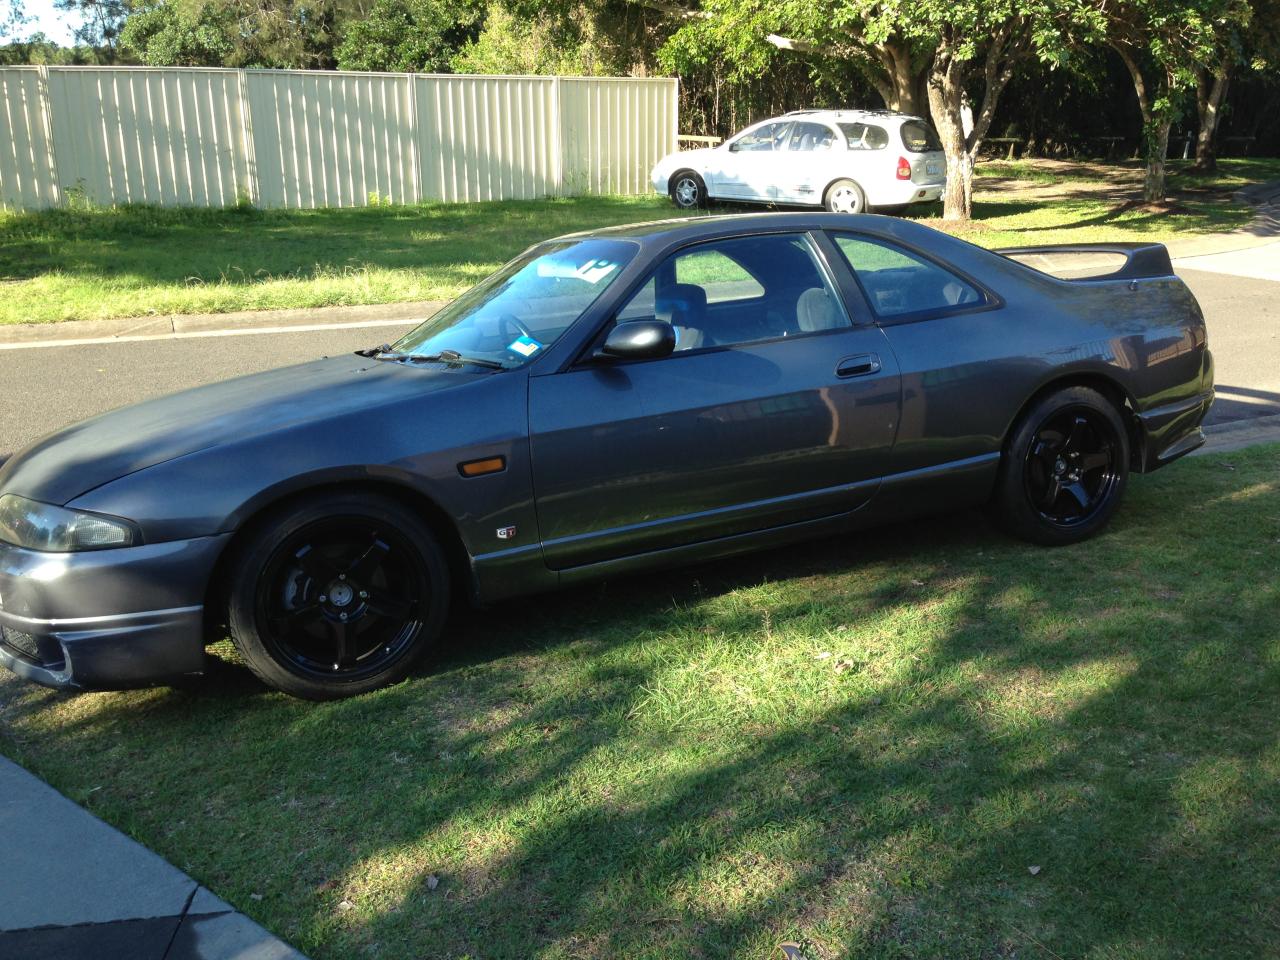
x: 42, y: 526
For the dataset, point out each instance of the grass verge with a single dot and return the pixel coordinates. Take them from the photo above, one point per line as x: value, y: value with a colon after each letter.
x: 133, y: 261
x: 926, y: 741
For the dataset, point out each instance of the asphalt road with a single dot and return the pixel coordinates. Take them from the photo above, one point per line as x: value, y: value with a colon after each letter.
x: 48, y: 387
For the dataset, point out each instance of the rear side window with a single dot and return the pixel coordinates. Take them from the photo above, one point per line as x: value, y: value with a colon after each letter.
x: 864, y: 136
x: 898, y: 283
x: 918, y: 137
x: 806, y: 137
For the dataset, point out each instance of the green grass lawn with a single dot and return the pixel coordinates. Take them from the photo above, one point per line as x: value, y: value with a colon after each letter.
x: 926, y: 741
x: 86, y: 264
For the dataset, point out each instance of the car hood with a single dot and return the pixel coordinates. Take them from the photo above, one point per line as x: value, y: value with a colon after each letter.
x: 75, y: 460
x: 685, y: 158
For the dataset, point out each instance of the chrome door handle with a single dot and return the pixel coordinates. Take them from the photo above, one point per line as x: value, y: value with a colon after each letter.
x: 859, y: 366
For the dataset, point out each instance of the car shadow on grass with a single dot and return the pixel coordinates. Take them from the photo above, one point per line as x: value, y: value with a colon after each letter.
x: 924, y: 740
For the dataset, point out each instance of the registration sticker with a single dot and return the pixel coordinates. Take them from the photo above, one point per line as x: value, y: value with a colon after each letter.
x: 525, y: 346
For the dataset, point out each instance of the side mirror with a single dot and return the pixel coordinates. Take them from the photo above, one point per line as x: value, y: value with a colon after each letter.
x: 638, y: 340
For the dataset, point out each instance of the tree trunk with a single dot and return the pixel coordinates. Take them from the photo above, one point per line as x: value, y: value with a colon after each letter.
x: 946, y: 97
x: 1156, y: 134
x: 904, y: 84
x: 1209, y: 97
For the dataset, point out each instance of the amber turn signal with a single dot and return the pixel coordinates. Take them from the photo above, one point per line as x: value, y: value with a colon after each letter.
x: 478, y: 468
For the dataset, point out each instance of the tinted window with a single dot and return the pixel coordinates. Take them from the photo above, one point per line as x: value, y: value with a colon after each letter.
x: 918, y: 137
x: 766, y: 137
x: 864, y: 136
x: 806, y: 137
x: 738, y: 291
x: 898, y: 282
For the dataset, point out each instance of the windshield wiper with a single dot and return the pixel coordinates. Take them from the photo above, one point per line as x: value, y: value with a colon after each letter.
x: 385, y: 352
x: 453, y: 356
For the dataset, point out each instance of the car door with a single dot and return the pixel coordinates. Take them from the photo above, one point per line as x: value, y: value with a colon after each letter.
x: 808, y: 162
x: 774, y: 409
x: 747, y: 168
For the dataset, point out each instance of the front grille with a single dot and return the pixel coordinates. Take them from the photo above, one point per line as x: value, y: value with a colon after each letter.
x: 42, y: 651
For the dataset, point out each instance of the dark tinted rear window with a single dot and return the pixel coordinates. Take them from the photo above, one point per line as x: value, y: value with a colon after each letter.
x: 918, y: 137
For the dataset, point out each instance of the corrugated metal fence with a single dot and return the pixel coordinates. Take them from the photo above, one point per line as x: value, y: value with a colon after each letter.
x: 295, y: 138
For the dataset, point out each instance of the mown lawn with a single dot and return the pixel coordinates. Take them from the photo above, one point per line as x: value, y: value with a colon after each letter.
x: 134, y: 261
x: 925, y: 741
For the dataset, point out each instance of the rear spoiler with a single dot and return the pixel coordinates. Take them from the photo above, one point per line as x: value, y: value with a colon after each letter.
x: 1141, y: 260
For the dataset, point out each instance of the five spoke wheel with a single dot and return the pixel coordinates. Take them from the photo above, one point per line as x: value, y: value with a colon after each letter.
x: 338, y: 595
x: 1070, y: 466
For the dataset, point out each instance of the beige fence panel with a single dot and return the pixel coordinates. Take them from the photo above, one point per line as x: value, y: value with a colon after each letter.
x: 613, y: 132
x: 294, y: 138
x: 325, y: 139
x: 28, y: 179
x: 149, y: 135
x: 487, y: 138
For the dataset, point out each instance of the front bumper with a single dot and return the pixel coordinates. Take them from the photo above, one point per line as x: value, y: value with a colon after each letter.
x: 107, y: 618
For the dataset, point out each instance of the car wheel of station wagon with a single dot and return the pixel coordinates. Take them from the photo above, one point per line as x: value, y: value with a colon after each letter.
x: 336, y: 595
x: 845, y: 196
x: 1065, y: 468
x: 688, y: 191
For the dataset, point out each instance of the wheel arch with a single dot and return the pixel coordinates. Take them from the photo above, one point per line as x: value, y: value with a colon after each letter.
x: 1105, y: 384
x: 866, y: 204
x: 457, y: 556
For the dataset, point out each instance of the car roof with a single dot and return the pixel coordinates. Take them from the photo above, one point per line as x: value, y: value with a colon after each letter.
x: 833, y: 116
x: 682, y: 229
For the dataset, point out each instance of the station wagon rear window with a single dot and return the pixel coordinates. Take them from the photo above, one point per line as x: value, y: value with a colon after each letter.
x: 919, y: 137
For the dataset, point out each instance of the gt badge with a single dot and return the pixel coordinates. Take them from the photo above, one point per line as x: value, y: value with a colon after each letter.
x: 506, y: 533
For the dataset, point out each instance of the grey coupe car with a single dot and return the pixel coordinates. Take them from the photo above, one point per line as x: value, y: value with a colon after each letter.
x: 606, y: 402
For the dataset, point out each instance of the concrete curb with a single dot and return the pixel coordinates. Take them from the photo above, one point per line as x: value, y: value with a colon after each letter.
x: 77, y: 888
x: 1264, y: 228
x: 1239, y: 434
x: 205, y: 324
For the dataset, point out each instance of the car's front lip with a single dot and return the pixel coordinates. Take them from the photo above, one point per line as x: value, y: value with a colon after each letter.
x: 106, y: 618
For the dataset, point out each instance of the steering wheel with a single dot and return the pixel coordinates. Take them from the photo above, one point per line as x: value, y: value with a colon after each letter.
x: 509, y: 321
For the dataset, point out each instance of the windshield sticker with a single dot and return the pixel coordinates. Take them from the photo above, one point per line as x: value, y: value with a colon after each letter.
x: 593, y: 271
x: 525, y: 346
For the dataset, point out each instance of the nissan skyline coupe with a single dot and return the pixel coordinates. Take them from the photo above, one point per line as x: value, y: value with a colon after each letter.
x: 610, y: 401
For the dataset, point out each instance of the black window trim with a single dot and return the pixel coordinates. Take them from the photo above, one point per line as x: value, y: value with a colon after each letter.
x: 990, y: 299
x: 583, y: 359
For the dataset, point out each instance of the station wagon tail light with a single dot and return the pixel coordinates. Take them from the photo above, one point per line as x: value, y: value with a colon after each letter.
x: 52, y: 529
x: 904, y: 168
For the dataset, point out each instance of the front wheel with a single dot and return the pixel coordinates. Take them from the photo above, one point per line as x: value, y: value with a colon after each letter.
x: 337, y: 595
x: 688, y: 191
x: 845, y: 196
x: 1064, y: 470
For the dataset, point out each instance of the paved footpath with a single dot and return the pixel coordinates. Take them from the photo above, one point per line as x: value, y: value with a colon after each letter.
x: 73, y: 888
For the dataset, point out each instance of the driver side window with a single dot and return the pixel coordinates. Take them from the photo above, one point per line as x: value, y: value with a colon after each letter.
x: 740, y: 290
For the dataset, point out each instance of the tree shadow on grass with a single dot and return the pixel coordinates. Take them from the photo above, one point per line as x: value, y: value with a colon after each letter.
x: 667, y: 766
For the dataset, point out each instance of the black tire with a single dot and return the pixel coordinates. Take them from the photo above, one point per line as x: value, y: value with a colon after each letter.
x: 337, y: 594
x: 844, y: 196
x: 688, y: 191
x: 1064, y: 468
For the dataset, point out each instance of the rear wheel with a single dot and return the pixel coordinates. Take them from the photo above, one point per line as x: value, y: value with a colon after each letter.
x: 1065, y: 469
x: 845, y: 196
x: 688, y: 191
x: 337, y: 595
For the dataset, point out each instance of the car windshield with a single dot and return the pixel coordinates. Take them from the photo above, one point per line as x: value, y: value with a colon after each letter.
x: 523, y: 308
x: 918, y: 137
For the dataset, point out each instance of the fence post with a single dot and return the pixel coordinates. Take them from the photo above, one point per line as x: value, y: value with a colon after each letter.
x: 246, y: 139
x: 46, y: 126
x: 557, y: 135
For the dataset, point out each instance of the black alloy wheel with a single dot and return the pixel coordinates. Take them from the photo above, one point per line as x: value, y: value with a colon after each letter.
x: 1064, y: 468
x: 338, y: 597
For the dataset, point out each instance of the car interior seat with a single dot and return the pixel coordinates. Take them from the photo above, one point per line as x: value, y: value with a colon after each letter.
x: 815, y: 310
x: 684, y: 306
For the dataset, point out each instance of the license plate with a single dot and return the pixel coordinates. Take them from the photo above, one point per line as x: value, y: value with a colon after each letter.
x: 932, y: 169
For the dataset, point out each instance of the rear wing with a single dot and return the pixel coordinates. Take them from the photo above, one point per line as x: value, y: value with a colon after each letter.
x: 1095, y: 261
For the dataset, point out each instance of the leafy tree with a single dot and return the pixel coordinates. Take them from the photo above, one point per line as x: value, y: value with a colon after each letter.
x: 1164, y: 44
x: 1246, y: 42
x: 100, y: 23
x: 409, y: 35
x: 165, y: 34
x: 11, y: 18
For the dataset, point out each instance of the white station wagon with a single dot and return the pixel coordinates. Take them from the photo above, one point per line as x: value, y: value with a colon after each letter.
x: 848, y: 161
